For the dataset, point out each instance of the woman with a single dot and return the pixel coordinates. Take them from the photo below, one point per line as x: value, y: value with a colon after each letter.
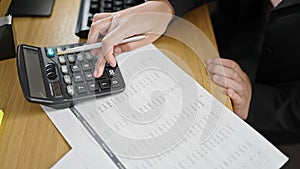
x: 265, y: 29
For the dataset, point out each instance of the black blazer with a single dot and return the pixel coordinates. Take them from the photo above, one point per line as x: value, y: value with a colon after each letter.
x: 275, y: 103
x: 272, y: 34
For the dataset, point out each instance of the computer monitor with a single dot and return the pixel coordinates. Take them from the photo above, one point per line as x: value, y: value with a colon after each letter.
x: 31, y: 7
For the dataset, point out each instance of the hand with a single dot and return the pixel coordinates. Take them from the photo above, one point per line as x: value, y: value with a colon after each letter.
x: 228, y: 74
x: 149, y: 18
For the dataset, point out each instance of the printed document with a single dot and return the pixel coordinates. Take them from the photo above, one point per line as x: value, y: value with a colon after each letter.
x: 165, y: 119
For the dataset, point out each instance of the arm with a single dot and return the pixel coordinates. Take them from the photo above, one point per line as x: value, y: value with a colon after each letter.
x: 151, y: 18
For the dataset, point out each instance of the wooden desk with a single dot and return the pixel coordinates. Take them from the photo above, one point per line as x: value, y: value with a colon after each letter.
x: 28, y: 139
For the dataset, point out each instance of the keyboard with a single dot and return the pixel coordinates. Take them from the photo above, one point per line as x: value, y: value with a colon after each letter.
x: 90, y: 7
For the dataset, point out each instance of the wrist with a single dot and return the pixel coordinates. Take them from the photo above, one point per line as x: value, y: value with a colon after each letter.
x: 160, y: 6
x: 164, y: 4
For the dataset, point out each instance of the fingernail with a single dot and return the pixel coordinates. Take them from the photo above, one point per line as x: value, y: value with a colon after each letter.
x: 117, y: 50
x: 95, y: 73
x: 208, y: 61
x: 215, y: 78
x: 229, y: 93
x: 209, y: 67
x: 115, y: 16
x: 113, y: 64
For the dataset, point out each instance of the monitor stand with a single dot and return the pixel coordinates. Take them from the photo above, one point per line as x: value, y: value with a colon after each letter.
x: 31, y: 7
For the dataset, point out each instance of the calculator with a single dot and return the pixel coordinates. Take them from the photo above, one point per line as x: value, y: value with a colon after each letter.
x: 64, y: 80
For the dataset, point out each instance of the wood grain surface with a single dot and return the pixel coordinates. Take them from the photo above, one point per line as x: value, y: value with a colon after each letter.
x: 28, y: 139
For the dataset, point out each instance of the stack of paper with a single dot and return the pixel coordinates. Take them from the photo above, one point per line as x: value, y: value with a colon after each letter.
x: 163, y: 119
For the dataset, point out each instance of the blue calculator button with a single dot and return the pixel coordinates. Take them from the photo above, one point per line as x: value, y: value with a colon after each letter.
x: 50, y: 52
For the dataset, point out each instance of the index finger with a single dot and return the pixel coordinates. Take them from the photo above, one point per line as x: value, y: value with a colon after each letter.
x: 224, y: 62
x: 99, y: 26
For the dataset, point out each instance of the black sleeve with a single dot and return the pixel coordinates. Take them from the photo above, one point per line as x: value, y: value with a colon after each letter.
x: 276, y: 108
x: 183, y: 6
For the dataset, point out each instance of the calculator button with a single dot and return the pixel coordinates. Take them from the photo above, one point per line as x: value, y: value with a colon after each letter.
x: 86, y: 67
x: 81, y: 88
x: 70, y: 90
x: 50, y: 70
x: 71, y: 58
x: 107, y: 65
x: 62, y: 60
x: 80, y: 57
x: 102, y: 77
x: 50, y: 52
x: 115, y: 82
x: 75, y: 68
x: 51, y: 75
x: 67, y: 79
x: 59, y: 49
x: 78, y: 78
x: 89, y: 76
x: 93, y: 86
x: 50, y: 66
x: 88, y: 56
x: 104, y: 84
x: 64, y: 69
x: 111, y: 73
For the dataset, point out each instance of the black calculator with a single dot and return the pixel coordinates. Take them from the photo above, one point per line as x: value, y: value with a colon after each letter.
x: 64, y: 80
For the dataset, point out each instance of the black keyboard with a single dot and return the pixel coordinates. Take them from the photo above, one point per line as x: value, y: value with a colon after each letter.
x: 89, y: 7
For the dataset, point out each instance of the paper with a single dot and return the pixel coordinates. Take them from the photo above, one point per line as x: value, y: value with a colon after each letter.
x: 82, y: 144
x: 165, y: 119
x: 70, y: 160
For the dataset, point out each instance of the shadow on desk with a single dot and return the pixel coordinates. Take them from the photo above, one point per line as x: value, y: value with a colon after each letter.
x: 293, y: 152
x: 289, y: 144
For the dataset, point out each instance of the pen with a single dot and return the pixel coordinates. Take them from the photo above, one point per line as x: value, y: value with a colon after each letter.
x: 99, y: 44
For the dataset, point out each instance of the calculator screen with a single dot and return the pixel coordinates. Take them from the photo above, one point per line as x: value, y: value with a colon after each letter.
x: 34, y: 74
